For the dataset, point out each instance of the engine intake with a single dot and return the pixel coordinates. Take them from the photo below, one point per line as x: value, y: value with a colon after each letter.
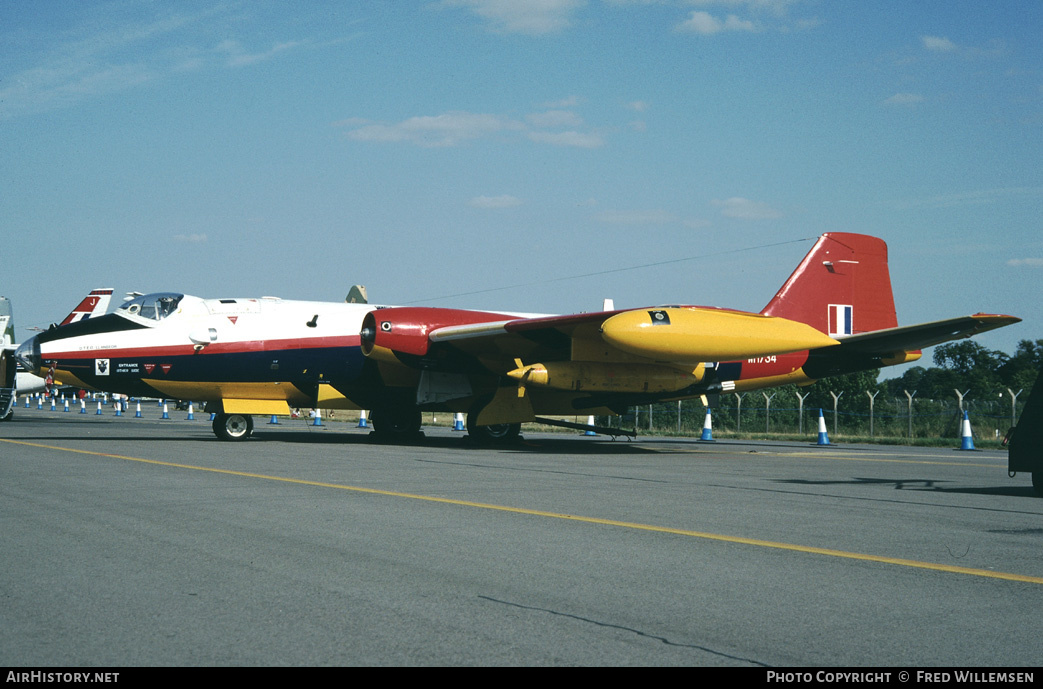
x: 402, y: 334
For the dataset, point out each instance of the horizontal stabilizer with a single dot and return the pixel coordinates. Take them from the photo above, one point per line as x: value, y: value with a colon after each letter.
x: 910, y: 337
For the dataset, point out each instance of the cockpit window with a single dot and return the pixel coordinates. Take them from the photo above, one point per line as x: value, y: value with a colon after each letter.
x: 154, y: 307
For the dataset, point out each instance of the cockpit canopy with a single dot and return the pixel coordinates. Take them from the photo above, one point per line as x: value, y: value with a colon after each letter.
x: 154, y: 307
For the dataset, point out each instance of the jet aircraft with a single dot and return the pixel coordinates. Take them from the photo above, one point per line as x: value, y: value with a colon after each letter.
x: 834, y: 315
x: 13, y: 380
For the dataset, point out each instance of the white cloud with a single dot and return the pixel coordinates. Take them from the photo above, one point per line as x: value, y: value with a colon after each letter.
x: 638, y: 106
x: 455, y: 128
x: 937, y: 43
x: 1033, y: 262
x: 449, y: 129
x: 904, y: 99
x: 191, y: 238
x: 553, y: 119
x: 237, y: 57
x: 705, y: 24
x: 504, y: 201
x: 745, y: 209
x: 522, y: 16
x: 569, y: 138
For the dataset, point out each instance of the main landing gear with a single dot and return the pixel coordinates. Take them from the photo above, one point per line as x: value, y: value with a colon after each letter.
x: 491, y: 435
x: 233, y: 426
x: 396, y: 422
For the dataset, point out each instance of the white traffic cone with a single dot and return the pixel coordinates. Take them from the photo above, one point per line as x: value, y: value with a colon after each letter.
x: 458, y: 422
x: 966, y: 439
x: 707, y: 435
x: 362, y: 419
x: 823, y: 437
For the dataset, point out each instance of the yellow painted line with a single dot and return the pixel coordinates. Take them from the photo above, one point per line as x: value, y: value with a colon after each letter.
x: 902, y: 562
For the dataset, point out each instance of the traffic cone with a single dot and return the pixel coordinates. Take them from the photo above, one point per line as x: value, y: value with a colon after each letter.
x: 590, y: 422
x: 707, y: 435
x: 966, y: 439
x: 99, y: 408
x: 363, y: 423
x: 274, y: 421
x: 119, y: 407
x: 166, y: 412
x: 83, y: 406
x: 137, y: 411
x: 66, y: 403
x: 318, y: 418
x: 823, y: 437
x: 191, y: 415
x: 458, y: 422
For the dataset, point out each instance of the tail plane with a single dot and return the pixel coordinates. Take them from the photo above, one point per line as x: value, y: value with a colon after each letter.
x: 841, y: 288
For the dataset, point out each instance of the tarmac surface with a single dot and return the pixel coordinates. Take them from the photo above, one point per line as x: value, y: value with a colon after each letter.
x: 144, y: 542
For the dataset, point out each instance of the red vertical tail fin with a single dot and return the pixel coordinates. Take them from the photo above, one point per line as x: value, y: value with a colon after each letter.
x: 94, y: 304
x: 842, y: 287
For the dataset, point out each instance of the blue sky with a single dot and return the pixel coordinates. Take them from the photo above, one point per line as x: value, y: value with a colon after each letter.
x: 529, y: 155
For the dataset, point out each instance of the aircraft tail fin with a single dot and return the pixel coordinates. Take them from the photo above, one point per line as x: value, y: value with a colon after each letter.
x: 6, y: 323
x: 94, y: 304
x: 842, y: 287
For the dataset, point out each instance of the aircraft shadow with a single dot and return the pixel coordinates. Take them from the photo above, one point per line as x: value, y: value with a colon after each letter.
x: 922, y: 485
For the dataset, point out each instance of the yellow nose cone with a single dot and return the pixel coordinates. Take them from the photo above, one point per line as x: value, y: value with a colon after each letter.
x: 691, y: 335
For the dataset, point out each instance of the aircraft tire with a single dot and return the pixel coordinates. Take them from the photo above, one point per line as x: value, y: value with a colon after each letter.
x: 233, y: 427
x: 494, y: 434
x: 1037, y: 482
x: 396, y: 421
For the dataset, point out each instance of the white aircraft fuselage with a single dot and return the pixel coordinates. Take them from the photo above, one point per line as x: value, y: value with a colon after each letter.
x: 255, y: 355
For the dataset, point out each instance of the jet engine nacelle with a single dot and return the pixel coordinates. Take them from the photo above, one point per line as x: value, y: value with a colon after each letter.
x: 401, y: 333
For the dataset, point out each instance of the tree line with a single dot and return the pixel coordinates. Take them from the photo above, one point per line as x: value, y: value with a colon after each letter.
x: 990, y: 385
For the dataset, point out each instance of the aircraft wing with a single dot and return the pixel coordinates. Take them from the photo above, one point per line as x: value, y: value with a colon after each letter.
x: 679, y: 335
x: 913, y: 337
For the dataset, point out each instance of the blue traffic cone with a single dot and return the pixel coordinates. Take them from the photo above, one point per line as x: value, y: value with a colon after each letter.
x: 83, y: 406
x: 166, y: 412
x: 137, y: 410
x: 318, y: 418
x: 966, y: 439
x: 274, y: 420
x: 362, y: 419
x: 590, y: 422
x: 823, y: 437
x: 66, y: 403
x: 707, y: 435
x: 191, y: 413
x: 458, y: 422
x: 99, y: 408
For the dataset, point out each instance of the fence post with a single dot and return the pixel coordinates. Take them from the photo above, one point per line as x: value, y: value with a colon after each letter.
x: 800, y: 406
x: 767, y: 411
x: 910, y: 397
x: 1013, y: 402
x: 872, y: 398
x: 836, y: 398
